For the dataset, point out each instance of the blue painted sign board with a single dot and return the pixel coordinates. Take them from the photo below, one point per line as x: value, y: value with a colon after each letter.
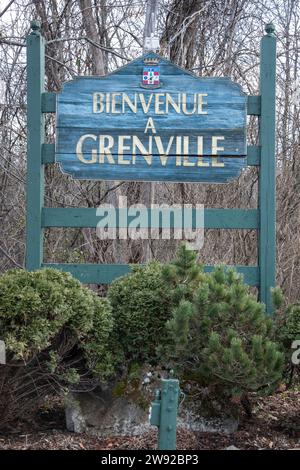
x: 151, y: 121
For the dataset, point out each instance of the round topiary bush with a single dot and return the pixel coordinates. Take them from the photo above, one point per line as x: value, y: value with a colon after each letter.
x: 140, y: 307
x: 56, y: 334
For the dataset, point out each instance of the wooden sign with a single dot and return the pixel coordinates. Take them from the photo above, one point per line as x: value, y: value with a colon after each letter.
x: 151, y: 121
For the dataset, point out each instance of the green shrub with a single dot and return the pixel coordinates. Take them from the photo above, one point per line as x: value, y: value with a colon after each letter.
x: 36, y: 306
x: 289, y: 327
x: 140, y: 307
x: 221, y: 337
x: 56, y: 334
x: 288, y: 331
x: 183, y: 275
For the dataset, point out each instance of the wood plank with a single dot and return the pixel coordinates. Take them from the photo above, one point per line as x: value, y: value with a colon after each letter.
x: 253, y: 155
x: 213, y: 218
x: 132, y: 139
x: 106, y: 273
x: 113, y: 128
x: 92, y: 273
x: 141, y: 171
x: 250, y: 273
x: 48, y: 102
x: 48, y: 153
x: 231, y: 218
x: 35, y: 138
x: 267, y: 177
x: 254, y: 105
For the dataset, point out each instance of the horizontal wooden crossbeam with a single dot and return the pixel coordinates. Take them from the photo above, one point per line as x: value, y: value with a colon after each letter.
x: 48, y: 153
x: 48, y: 102
x: 213, y: 218
x: 106, y: 273
x: 253, y: 155
x: 253, y: 105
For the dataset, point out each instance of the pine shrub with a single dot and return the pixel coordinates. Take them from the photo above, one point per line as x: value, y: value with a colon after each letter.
x: 219, y: 334
x: 183, y: 275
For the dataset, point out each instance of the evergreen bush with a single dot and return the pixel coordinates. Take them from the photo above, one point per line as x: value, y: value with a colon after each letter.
x: 219, y: 334
x: 288, y: 331
x: 140, y: 305
x: 56, y: 334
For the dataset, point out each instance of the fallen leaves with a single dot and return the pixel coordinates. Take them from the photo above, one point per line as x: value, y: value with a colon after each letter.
x: 275, y: 425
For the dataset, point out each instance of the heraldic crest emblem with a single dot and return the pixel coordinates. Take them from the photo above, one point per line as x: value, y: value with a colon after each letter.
x: 151, y: 73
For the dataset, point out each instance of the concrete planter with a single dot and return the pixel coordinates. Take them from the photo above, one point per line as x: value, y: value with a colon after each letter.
x: 122, y: 409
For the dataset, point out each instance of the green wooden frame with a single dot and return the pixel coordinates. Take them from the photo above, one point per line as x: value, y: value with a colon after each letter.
x: 39, y: 153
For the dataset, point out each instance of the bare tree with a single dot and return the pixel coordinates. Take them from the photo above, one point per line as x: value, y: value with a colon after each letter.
x: 208, y: 37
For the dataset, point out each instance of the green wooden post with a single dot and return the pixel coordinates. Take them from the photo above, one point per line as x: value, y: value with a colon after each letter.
x: 267, y: 179
x: 168, y: 414
x: 35, y: 139
x: 164, y: 413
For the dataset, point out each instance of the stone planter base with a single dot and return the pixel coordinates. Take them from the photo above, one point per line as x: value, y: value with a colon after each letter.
x: 107, y: 416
